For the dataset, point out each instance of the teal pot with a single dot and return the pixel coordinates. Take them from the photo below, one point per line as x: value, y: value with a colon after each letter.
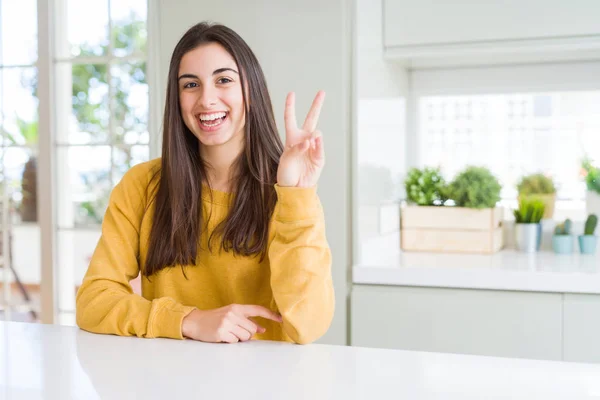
x: 562, y: 244
x: 587, y: 244
x: 528, y: 237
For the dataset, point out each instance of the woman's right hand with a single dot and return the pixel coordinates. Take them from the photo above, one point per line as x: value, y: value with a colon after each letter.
x: 228, y: 324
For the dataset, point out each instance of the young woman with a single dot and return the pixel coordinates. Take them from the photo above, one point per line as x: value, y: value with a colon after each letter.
x: 226, y: 227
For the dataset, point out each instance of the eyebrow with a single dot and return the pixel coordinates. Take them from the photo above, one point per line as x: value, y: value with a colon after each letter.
x: 216, y: 72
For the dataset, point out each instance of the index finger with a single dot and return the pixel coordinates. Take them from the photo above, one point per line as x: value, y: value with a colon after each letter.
x: 260, y: 311
x: 290, y: 113
x: 310, y: 123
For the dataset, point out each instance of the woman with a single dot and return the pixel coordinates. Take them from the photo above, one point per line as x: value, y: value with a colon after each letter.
x: 226, y: 227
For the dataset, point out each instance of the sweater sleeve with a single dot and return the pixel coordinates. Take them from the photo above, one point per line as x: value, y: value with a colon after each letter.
x: 300, y: 261
x: 105, y: 301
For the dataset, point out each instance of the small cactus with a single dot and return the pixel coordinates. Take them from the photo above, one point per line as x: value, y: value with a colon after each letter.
x: 568, y: 225
x: 563, y: 228
x: 558, y: 229
x: 590, y: 224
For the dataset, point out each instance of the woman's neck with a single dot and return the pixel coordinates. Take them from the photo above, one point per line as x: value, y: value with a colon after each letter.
x: 220, y: 160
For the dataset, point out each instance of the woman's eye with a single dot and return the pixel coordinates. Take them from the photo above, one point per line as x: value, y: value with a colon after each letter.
x: 224, y: 80
x: 190, y: 85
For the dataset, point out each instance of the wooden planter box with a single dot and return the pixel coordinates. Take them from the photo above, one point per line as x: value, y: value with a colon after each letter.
x: 451, y: 229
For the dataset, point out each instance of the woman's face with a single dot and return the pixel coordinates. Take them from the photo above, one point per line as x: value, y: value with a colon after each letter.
x: 210, y: 95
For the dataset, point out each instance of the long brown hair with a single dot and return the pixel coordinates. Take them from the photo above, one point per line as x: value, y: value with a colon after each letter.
x: 177, y: 223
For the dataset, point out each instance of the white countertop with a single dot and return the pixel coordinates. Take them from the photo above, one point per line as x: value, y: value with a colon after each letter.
x: 543, y: 271
x: 57, y: 362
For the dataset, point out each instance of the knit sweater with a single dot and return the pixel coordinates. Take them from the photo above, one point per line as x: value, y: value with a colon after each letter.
x: 293, y: 280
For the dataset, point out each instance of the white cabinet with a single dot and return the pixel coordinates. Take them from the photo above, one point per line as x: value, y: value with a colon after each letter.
x: 582, y: 328
x: 481, y: 322
x: 435, y: 22
x: 440, y: 33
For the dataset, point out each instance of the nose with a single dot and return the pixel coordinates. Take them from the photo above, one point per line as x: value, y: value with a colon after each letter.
x: 208, y: 97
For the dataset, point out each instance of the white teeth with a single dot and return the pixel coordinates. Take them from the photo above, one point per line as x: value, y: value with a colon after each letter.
x: 212, y: 117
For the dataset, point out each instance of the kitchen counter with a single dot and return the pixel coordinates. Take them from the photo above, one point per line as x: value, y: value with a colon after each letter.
x: 56, y: 362
x: 544, y: 271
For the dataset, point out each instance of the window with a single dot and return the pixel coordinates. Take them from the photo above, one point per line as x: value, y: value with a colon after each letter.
x: 515, y: 129
x: 100, y: 114
x: 18, y: 148
x: 102, y: 104
x: 102, y: 122
x: 514, y: 134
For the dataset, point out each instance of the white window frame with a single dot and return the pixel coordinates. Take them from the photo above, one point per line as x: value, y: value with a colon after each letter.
x: 48, y: 14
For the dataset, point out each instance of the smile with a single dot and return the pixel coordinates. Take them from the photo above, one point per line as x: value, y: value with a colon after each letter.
x: 212, y: 120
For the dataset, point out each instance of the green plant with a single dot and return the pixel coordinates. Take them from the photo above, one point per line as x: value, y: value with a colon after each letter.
x: 563, y: 228
x: 89, y: 212
x: 536, y: 184
x: 530, y: 211
x: 592, y: 175
x: 425, y: 186
x: 474, y: 187
x: 590, y: 224
x: 27, y: 133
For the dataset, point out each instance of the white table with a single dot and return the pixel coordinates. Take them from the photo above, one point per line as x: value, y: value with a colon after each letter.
x: 57, y: 362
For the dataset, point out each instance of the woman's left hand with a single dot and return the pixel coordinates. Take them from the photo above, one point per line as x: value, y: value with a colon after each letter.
x: 303, y: 157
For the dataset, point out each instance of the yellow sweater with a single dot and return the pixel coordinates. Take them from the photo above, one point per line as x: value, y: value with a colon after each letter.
x: 294, y: 279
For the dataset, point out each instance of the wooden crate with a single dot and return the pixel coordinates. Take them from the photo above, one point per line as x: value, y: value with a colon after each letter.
x: 451, y: 229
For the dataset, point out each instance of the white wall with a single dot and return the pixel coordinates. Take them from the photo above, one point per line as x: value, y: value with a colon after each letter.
x: 380, y: 137
x: 302, y: 46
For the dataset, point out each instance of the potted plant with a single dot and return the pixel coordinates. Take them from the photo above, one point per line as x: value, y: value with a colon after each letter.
x: 540, y: 186
x: 587, y: 241
x: 472, y: 225
x: 591, y: 175
x: 528, y: 230
x: 562, y: 240
x: 424, y: 187
x: 475, y: 187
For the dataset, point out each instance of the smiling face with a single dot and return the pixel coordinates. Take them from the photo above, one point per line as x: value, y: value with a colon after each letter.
x: 210, y: 96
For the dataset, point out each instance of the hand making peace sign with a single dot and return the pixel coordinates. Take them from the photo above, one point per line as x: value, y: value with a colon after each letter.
x: 303, y: 157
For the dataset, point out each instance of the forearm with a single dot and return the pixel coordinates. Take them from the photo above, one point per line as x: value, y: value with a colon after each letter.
x: 108, y: 308
x: 300, y: 260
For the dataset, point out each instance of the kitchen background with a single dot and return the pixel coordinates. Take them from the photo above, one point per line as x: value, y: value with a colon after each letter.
x: 417, y: 92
